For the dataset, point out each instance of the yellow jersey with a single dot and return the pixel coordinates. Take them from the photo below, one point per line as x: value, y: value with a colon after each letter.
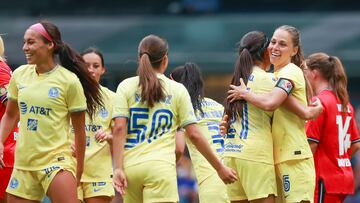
x: 45, y: 103
x: 151, y: 131
x: 290, y: 140
x: 209, y: 126
x: 250, y: 137
x: 98, y: 162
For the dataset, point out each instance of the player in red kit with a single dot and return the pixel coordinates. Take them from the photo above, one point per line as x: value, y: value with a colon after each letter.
x: 333, y: 136
x: 9, y: 145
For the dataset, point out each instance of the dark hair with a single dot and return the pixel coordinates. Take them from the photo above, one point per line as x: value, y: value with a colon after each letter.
x: 298, y: 59
x: 152, y: 50
x: 252, y: 48
x: 74, y: 62
x: 333, y: 71
x: 95, y: 51
x: 190, y: 76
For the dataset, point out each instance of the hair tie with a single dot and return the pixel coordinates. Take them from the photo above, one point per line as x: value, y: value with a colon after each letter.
x: 39, y: 28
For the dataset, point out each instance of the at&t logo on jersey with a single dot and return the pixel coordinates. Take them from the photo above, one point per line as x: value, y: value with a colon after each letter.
x: 54, y: 92
x: 23, y: 108
x: 14, y: 183
x: 32, y: 124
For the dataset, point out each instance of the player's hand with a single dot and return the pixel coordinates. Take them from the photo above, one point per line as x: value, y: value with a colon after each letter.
x: 316, y: 108
x: 227, y: 175
x: 2, y: 164
x: 101, y: 136
x: 224, y: 125
x: 237, y: 92
x: 119, y: 181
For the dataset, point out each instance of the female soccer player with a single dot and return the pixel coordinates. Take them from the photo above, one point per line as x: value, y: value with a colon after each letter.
x: 96, y: 181
x: 153, y: 107
x: 7, y: 162
x: 47, y: 95
x: 209, y: 114
x: 333, y: 136
x: 249, y: 143
x: 292, y: 154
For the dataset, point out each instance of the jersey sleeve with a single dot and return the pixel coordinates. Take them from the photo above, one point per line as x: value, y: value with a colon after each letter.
x: 354, y: 132
x: 314, y: 128
x: 12, y: 90
x: 75, y: 97
x: 185, y: 109
x: 5, y: 75
x: 121, y: 106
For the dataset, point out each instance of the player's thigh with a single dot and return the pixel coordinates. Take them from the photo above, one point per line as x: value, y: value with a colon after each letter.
x: 63, y: 182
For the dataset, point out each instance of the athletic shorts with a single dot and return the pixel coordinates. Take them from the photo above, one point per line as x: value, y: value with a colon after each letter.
x: 296, y: 180
x: 322, y: 196
x: 33, y: 185
x: 213, y: 189
x: 5, y: 174
x: 256, y: 180
x: 95, y: 189
x: 151, y: 181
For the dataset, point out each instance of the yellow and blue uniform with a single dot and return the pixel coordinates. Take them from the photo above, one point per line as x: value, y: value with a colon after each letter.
x: 211, y: 187
x: 290, y: 142
x: 149, y: 160
x: 43, y: 147
x: 249, y: 145
x: 96, y: 179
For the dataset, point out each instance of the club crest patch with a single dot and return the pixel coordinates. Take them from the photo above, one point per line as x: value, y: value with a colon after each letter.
x: 54, y: 92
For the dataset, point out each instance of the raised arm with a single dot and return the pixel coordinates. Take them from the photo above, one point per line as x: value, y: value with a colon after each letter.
x: 304, y: 112
x: 266, y: 101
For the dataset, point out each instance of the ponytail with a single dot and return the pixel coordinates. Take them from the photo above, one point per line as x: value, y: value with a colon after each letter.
x: 339, y: 82
x: 243, y: 69
x: 252, y: 50
x: 151, y: 88
x: 332, y: 70
x: 73, y: 61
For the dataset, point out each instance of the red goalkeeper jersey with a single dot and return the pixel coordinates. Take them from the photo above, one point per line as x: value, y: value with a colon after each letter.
x: 9, y: 145
x: 334, y: 131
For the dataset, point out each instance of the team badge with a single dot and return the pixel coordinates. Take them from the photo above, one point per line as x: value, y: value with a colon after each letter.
x: 103, y: 112
x: 32, y: 124
x: 54, y: 92
x: 14, y: 183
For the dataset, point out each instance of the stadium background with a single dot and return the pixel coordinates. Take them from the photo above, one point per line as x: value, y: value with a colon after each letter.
x: 201, y: 31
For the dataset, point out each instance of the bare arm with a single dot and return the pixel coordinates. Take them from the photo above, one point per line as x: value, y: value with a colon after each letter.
x: 78, y: 122
x: 180, y: 144
x: 304, y: 112
x: 119, y: 136
x: 313, y: 146
x: 354, y: 148
x: 226, y: 174
x: 8, y: 122
x: 266, y: 101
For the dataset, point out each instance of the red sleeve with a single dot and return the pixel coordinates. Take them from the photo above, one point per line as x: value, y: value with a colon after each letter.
x: 354, y: 132
x: 5, y: 75
x: 314, y: 128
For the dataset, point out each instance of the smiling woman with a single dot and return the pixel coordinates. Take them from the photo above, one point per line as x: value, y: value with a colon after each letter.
x: 48, y: 167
